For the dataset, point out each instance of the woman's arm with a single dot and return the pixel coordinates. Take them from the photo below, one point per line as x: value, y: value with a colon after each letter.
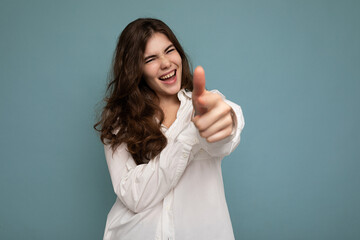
x: 219, y: 121
x: 143, y: 186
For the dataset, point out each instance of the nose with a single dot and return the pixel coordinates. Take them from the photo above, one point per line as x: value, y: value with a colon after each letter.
x: 165, y: 62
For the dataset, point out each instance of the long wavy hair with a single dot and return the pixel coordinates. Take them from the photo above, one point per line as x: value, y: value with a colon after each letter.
x: 132, y: 114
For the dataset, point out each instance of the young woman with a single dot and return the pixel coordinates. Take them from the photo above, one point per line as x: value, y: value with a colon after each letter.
x: 164, y: 137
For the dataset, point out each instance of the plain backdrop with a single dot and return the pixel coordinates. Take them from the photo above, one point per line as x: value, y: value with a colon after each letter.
x: 293, y: 66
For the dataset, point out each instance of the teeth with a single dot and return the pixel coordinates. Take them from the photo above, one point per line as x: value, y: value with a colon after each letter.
x: 168, y: 75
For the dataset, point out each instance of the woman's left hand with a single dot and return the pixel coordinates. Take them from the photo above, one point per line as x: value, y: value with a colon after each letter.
x: 214, y: 118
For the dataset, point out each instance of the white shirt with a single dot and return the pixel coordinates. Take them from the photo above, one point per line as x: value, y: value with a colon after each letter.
x: 177, y: 195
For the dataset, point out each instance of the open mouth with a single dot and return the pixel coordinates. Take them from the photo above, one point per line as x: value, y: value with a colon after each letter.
x: 168, y: 76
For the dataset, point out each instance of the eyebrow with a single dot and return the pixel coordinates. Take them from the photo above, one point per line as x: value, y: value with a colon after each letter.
x: 151, y: 56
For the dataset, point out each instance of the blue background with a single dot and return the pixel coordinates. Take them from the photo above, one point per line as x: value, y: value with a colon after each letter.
x: 293, y: 66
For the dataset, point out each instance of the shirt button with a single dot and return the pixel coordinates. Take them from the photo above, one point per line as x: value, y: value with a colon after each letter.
x: 185, y: 155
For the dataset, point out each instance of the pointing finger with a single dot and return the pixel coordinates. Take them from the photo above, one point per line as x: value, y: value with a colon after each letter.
x: 198, y: 82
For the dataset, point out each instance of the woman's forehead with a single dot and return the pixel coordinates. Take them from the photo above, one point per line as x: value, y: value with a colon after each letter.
x: 157, y: 42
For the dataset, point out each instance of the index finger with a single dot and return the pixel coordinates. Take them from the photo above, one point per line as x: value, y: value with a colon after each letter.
x: 198, y: 82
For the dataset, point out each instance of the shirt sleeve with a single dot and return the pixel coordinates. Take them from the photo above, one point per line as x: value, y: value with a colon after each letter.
x: 226, y: 146
x: 141, y: 187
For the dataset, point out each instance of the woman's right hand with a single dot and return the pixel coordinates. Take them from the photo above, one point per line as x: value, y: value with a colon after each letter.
x: 214, y: 118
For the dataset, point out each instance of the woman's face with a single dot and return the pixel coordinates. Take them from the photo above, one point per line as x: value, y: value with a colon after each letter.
x: 163, y: 66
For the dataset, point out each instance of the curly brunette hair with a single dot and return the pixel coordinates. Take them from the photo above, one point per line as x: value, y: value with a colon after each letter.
x: 132, y: 114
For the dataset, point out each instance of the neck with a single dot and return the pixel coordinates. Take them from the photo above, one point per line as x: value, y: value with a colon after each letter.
x: 169, y: 106
x: 168, y: 102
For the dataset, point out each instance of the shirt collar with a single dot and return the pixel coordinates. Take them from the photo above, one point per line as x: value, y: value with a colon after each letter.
x: 184, y: 94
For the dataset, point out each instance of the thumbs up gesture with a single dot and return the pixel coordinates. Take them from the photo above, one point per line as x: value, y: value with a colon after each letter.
x: 213, y: 117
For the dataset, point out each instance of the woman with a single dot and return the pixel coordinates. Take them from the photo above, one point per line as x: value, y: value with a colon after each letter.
x: 163, y: 143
